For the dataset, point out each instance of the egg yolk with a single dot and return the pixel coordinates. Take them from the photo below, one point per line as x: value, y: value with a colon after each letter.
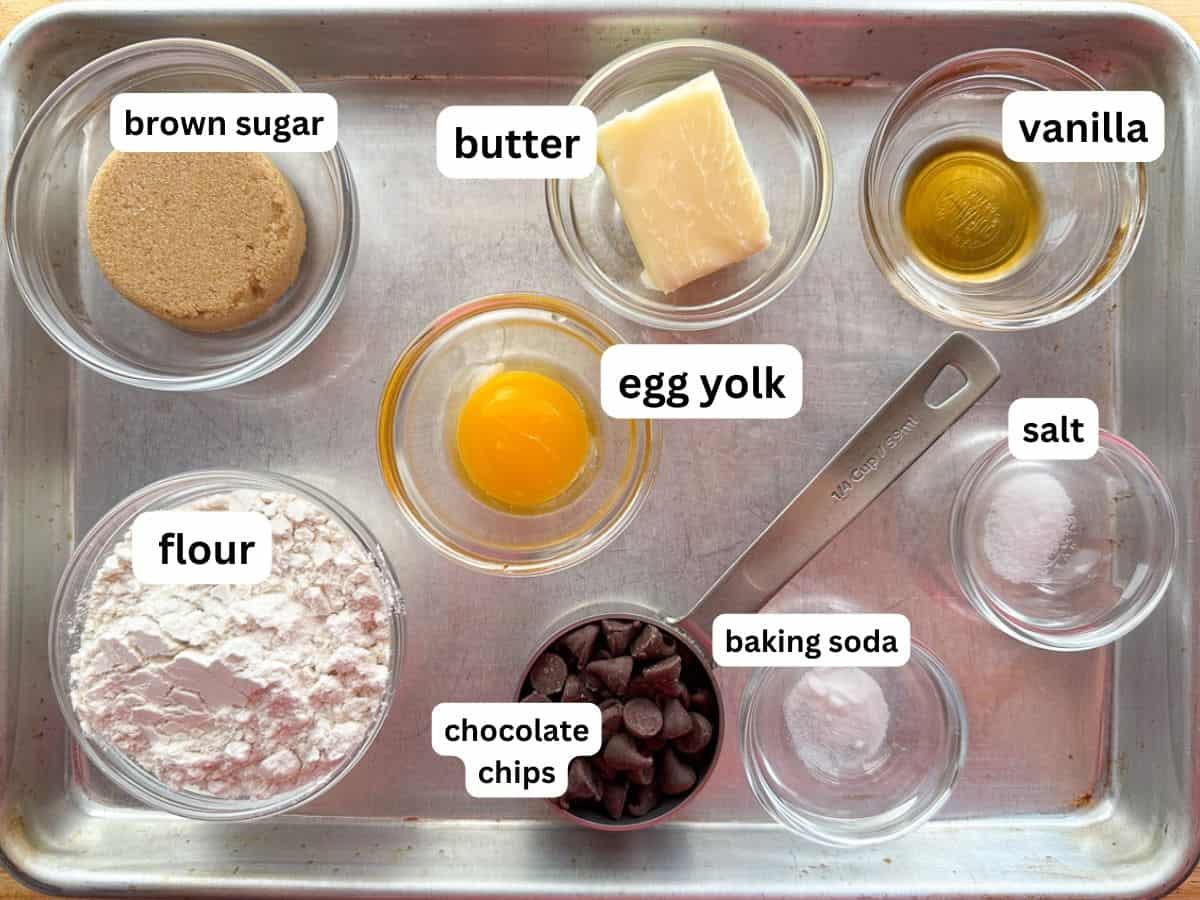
x: 522, y: 438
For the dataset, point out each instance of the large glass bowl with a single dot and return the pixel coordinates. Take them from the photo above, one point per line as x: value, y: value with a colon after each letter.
x: 418, y: 456
x: 911, y: 778
x: 1091, y: 213
x: 52, y: 169
x: 1064, y: 554
x: 785, y: 145
x: 67, y: 619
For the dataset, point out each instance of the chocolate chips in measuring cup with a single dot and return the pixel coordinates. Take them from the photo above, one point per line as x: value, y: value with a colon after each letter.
x: 658, y: 715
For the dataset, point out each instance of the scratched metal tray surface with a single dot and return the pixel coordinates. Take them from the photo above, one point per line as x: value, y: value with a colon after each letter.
x: 1080, y: 780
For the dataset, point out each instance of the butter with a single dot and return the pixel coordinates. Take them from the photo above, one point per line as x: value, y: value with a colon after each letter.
x: 680, y: 176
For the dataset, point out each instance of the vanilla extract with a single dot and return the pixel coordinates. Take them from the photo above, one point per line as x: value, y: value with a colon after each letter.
x: 971, y: 213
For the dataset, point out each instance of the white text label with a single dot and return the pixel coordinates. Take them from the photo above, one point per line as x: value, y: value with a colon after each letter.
x: 201, y: 547
x: 701, y: 381
x: 516, y: 749
x: 223, y: 123
x: 1083, y: 126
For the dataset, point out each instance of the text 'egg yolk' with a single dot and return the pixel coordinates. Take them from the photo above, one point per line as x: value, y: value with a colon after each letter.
x: 522, y: 438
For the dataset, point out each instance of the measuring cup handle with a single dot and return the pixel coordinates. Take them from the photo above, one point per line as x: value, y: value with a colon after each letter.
x: 891, y: 440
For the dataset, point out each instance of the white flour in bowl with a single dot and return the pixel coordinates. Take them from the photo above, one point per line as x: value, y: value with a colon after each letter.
x: 238, y: 691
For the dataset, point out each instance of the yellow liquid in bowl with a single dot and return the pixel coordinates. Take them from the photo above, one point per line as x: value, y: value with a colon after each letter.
x: 970, y: 212
x: 522, y: 438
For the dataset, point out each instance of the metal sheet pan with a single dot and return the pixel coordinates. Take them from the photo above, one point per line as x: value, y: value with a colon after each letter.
x: 1081, y: 776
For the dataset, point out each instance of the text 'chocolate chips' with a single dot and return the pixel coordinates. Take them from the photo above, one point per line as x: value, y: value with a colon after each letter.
x: 657, y: 713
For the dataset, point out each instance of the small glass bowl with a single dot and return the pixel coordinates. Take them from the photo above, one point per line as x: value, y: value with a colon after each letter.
x: 66, y: 620
x: 1064, y: 554
x: 1092, y: 213
x: 419, y: 412
x: 904, y: 783
x: 56, y: 159
x: 786, y: 147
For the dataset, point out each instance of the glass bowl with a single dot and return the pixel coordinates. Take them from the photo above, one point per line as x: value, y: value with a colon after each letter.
x: 1064, y: 554
x: 786, y: 147
x: 52, y: 169
x: 1091, y: 213
x: 419, y: 412
x: 67, y: 619
x: 892, y: 789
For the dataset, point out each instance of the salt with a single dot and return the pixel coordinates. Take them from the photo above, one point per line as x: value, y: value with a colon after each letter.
x: 1028, y: 527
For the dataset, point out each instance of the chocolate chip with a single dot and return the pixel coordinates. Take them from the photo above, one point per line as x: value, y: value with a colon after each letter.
x: 611, y: 716
x: 581, y: 781
x: 643, y: 718
x: 603, y: 769
x: 617, y: 634
x: 702, y: 701
x: 621, y: 753
x: 535, y: 697
x: 676, y: 721
x: 579, y: 643
x: 573, y: 691
x: 651, y: 644
x: 613, y: 673
x: 614, y: 798
x: 548, y: 674
x: 593, y: 684
x: 645, y: 798
x: 651, y: 745
x: 640, y: 687
x: 663, y: 676
x: 642, y: 776
x: 696, y: 739
x: 677, y: 776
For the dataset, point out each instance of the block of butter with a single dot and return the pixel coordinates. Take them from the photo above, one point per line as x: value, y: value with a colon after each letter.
x: 678, y: 171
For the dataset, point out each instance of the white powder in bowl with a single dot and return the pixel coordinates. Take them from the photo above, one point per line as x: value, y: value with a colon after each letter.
x: 238, y: 691
x: 837, y: 720
x: 1029, y: 525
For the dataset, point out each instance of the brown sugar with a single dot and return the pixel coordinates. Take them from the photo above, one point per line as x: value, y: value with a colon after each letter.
x: 205, y: 241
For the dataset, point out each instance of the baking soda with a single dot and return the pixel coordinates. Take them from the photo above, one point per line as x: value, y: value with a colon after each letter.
x: 239, y: 691
x: 837, y: 719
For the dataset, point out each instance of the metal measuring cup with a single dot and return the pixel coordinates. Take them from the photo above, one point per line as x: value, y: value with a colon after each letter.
x: 903, y: 428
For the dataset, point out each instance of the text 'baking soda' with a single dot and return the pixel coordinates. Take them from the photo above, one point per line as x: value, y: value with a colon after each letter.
x: 516, y: 142
x: 201, y: 547
x: 1083, y: 126
x: 223, y: 122
x: 516, y: 749
x: 701, y: 381
x: 1053, y: 428
x: 811, y: 639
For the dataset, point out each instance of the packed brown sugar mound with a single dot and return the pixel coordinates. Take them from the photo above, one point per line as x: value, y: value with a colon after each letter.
x: 205, y: 241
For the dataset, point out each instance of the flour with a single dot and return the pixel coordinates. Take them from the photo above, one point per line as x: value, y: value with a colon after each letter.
x: 238, y: 691
x: 837, y: 720
x: 1028, y: 528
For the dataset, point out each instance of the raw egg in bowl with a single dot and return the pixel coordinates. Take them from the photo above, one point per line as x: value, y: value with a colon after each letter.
x: 523, y: 439
x: 493, y: 442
